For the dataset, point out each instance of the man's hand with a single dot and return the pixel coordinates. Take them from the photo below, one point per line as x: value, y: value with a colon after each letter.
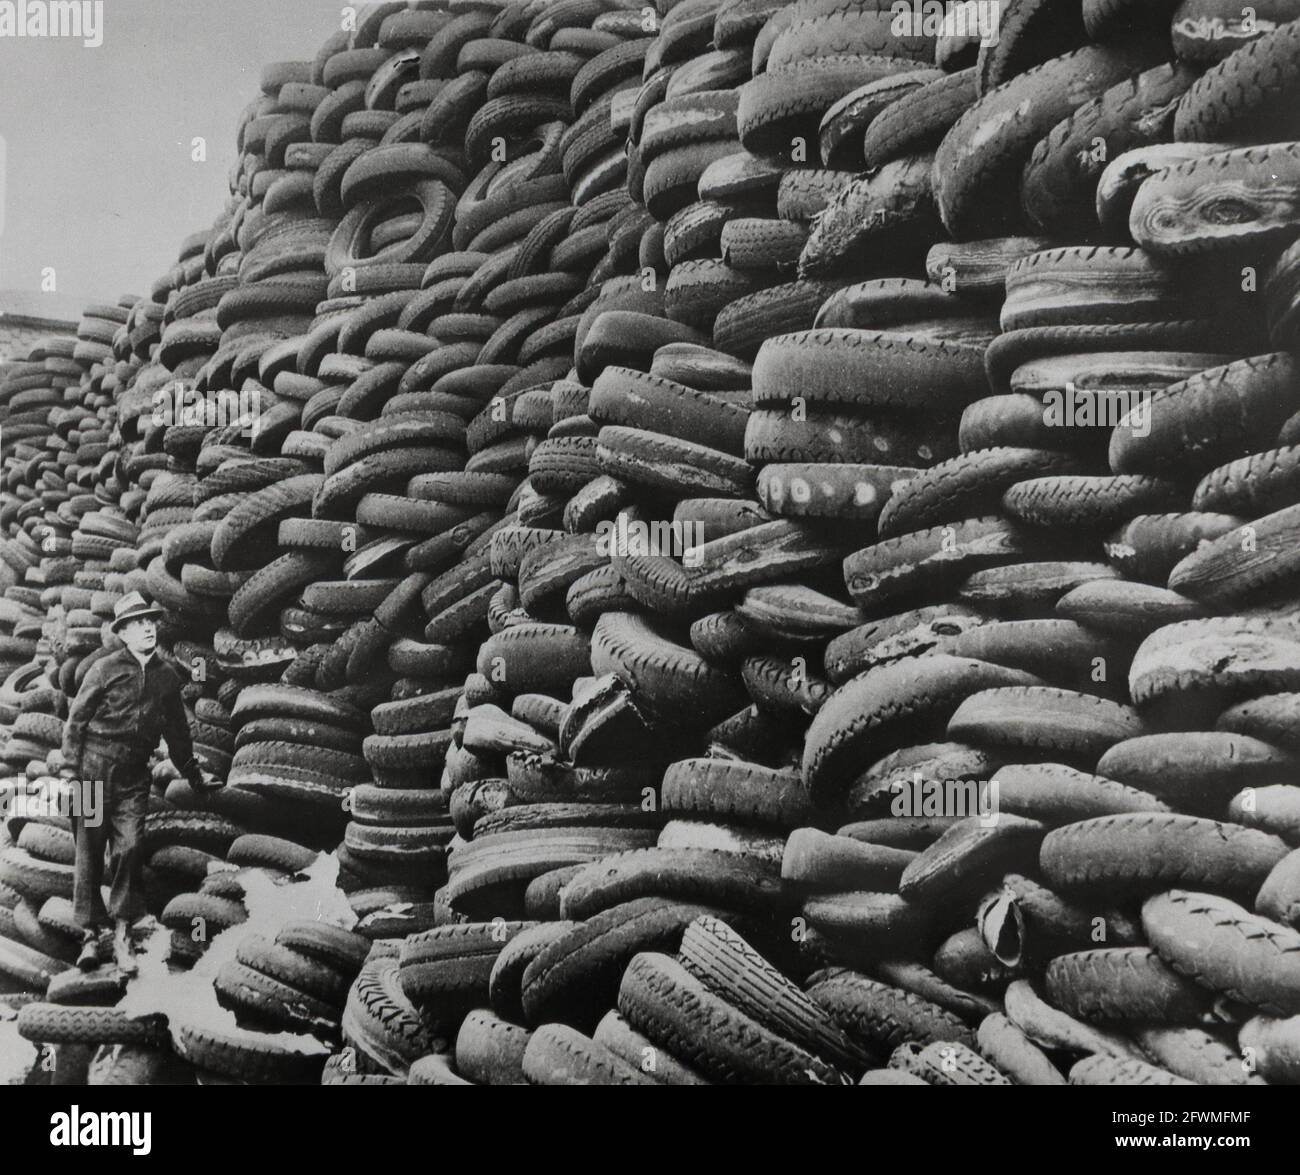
x: 199, y: 779
x: 207, y: 782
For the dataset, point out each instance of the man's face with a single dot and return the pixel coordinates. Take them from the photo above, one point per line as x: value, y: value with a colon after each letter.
x: 140, y: 636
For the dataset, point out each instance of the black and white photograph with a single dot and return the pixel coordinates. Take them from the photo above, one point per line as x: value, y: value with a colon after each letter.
x: 651, y: 542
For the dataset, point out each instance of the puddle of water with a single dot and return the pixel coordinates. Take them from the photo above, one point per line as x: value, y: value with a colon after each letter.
x: 188, y: 997
x: 17, y: 1056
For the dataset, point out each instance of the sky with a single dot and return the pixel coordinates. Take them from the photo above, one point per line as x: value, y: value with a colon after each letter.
x: 98, y: 181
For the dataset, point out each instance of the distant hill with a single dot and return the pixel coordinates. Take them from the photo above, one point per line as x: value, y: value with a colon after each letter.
x: 51, y: 307
x: 27, y: 315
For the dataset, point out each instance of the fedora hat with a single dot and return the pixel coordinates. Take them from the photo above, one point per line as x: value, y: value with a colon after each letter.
x: 133, y: 606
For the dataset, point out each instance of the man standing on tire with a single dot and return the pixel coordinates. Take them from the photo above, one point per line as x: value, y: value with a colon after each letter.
x: 128, y: 699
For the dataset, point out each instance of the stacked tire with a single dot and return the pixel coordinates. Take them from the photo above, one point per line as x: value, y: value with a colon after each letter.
x: 695, y: 454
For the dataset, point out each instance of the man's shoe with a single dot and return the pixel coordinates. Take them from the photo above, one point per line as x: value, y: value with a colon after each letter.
x: 89, y: 957
x: 123, y: 951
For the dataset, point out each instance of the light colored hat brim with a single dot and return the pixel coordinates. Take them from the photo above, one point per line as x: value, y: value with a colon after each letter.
x: 142, y: 614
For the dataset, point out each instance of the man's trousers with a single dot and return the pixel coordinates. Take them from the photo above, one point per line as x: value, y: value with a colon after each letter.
x: 120, y: 787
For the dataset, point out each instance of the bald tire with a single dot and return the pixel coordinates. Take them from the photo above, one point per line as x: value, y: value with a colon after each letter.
x: 1121, y: 984
x: 1007, y: 1047
x: 575, y: 977
x: 869, y: 369
x: 1136, y: 853
x: 978, y: 165
x: 617, y: 1035
x: 490, y: 1051
x: 1099, y: 1069
x: 718, y: 878
x: 887, y: 707
x: 1055, y: 721
x: 559, y: 1055
x: 964, y: 486
x: 1060, y: 180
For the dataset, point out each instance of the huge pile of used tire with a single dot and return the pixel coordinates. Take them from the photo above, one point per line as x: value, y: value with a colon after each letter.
x: 696, y: 452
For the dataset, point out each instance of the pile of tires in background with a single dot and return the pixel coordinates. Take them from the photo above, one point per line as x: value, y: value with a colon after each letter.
x: 691, y: 451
